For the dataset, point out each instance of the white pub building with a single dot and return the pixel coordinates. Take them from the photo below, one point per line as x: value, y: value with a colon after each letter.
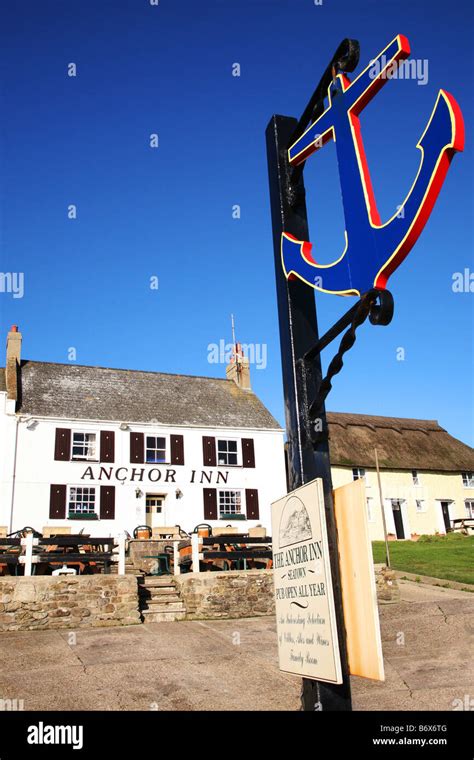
x: 107, y: 450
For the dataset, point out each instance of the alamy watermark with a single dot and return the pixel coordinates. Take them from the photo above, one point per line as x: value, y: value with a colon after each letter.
x: 12, y: 282
x: 222, y: 353
x: 463, y: 282
x: 12, y: 704
x: 42, y: 733
x: 414, y: 68
x: 464, y: 704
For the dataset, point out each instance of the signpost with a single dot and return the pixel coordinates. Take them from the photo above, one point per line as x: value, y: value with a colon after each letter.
x: 372, y: 253
x: 308, y: 453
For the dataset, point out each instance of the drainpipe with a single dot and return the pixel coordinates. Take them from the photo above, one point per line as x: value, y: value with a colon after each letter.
x: 14, y: 475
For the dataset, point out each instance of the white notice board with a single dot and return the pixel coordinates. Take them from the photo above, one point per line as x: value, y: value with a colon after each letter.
x: 306, y: 622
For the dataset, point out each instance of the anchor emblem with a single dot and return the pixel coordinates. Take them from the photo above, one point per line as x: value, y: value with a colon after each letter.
x: 373, y: 249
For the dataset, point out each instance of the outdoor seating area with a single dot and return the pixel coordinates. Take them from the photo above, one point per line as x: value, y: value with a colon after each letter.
x: 29, y: 552
x: 164, y: 550
x: 204, y: 549
x: 217, y: 549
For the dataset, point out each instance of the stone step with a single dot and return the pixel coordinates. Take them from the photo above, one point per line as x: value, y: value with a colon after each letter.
x: 163, y: 600
x: 155, y: 590
x: 166, y: 595
x: 166, y: 607
x: 150, y: 616
x: 158, y: 583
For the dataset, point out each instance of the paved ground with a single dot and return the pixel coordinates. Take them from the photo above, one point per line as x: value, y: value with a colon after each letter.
x: 427, y: 639
x: 232, y: 664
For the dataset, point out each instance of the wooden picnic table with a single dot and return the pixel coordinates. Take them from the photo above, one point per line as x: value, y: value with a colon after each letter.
x: 63, y: 549
x: 78, y: 550
x: 463, y: 523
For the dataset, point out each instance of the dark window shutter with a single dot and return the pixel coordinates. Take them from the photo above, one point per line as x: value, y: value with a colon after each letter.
x: 107, y: 446
x: 209, y: 451
x: 177, y: 449
x: 210, y: 504
x: 57, y: 502
x: 137, y: 448
x: 251, y: 500
x: 248, y: 452
x: 62, y: 446
x: 107, y: 502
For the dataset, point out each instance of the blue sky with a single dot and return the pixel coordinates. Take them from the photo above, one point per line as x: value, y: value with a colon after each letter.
x: 167, y: 212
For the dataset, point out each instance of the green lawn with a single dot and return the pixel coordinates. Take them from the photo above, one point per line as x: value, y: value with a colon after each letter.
x: 449, y: 557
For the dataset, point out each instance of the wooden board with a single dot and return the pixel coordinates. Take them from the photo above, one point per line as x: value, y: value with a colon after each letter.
x: 359, y: 594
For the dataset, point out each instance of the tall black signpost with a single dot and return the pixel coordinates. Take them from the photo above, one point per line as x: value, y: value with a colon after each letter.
x: 304, y: 386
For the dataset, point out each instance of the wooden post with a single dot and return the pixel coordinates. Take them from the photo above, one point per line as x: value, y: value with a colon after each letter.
x: 177, y: 569
x: 121, y: 553
x: 384, y: 523
x: 195, y: 552
x: 28, y: 558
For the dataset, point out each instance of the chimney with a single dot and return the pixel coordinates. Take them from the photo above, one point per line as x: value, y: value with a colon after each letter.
x: 238, y: 368
x: 13, y: 363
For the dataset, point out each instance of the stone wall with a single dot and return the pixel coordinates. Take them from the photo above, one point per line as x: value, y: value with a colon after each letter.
x: 229, y: 594
x: 45, y: 602
x: 249, y: 593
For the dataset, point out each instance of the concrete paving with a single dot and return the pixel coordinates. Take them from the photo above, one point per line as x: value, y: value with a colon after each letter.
x: 426, y: 640
x: 232, y: 664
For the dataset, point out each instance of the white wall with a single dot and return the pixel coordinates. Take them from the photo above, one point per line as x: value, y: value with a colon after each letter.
x: 36, y: 470
x: 8, y: 425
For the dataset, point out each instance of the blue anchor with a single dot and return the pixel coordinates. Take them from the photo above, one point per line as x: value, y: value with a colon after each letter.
x: 373, y: 249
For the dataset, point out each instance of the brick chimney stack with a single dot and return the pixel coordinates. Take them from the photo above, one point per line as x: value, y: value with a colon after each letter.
x: 238, y: 368
x: 13, y: 363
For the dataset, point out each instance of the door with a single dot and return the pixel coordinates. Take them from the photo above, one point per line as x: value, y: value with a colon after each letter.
x: 154, y: 508
x: 397, y: 518
x: 445, y: 513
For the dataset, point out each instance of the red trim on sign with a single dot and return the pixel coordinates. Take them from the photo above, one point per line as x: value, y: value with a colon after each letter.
x: 421, y: 219
x: 306, y: 252
x: 433, y: 191
x: 373, y: 211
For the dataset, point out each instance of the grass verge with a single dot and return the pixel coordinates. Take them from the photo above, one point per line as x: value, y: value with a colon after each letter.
x: 449, y: 556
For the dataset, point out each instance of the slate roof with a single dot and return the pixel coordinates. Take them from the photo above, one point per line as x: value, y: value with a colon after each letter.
x: 402, y: 444
x: 79, y: 392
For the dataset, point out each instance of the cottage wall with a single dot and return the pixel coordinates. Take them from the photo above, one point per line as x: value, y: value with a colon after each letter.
x: 398, y: 484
